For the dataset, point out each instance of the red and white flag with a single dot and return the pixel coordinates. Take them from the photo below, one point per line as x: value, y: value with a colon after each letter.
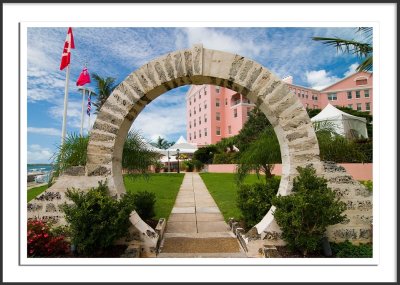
x: 83, y: 78
x: 68, y: 45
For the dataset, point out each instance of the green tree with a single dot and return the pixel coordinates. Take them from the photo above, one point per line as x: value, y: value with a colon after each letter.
x: 162, y: 143
x: 363, y: 49
x: 136, y: 157
x: 206, y: 154
x: 104, y: 87
x: 260, y: 155
x: 304, y: 215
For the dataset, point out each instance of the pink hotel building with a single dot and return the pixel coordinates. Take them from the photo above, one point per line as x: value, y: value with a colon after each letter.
x: 215, y: 112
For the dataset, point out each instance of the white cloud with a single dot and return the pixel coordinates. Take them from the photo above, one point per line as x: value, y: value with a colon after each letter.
x: 352, y: 69
x: 219, y: 40
x: 44, y: 131
x: 319, y: 79
x: 38, y: 154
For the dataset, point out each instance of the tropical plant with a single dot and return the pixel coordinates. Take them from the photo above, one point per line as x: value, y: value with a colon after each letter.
x: 162, y: 143
x: 260, y: 155
x: 96, y: 219
x: 349, y: 250
x: 72, y: 152
x: 104, y: 87
x: 206, y: 154
x: 304, y: 215
x: 363, y: 49
x: 136, y: 156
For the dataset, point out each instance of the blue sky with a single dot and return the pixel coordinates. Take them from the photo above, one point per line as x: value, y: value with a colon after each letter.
x: 116, y: 52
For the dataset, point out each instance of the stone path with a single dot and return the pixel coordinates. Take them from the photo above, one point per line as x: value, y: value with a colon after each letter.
x: 196, y: 227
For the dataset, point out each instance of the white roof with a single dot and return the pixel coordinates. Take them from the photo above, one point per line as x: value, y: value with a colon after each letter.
x: 332, y: 113
x: 183, y: 146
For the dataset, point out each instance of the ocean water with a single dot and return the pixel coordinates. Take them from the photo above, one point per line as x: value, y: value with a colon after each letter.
x: 44, y: 168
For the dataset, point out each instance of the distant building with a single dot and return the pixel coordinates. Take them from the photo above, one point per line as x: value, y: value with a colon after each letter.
x: 214, y: 113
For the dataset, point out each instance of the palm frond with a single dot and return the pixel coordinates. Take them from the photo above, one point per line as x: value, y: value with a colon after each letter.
x: 366, y: 65
x: 349, y: 46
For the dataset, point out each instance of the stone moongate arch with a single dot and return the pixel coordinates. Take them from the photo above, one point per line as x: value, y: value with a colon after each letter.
x: 298, y: 142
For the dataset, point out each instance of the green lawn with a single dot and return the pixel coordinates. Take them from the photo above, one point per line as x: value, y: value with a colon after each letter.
x: 223, y: 189
x: 32, y: 193
x: 164, y: 185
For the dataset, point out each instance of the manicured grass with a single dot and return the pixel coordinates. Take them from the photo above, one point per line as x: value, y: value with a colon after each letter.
x: 164, y: 185
x: 32, y: 193
x: 223, y: 189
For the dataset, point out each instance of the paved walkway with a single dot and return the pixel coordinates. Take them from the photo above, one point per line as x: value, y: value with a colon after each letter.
x: 196, y: 227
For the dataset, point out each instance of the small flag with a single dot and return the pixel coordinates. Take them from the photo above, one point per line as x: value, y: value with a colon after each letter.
x: 89, y: 105
x: 68, y: 45
x: 83, y: 78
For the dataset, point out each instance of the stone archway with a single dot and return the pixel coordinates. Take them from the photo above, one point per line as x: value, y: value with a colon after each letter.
x: 298, y: 142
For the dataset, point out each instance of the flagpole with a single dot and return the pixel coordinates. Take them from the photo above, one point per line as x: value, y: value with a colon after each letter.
x: 88, y: 127
x: 83, y: 106
x: 65, y: 106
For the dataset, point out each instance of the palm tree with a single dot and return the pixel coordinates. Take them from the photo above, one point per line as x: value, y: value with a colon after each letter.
x: 361, y: 49
x: 104, y: 88
x: 161, y: 143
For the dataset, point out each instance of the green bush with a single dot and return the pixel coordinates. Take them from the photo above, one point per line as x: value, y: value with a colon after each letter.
x: 205, y: 154
x: 347, y: 249
x: 304, y: 215
x: 368, y: 184
x: 254, y: 201
x: 225, y: 158
x: 189, y: 166
x: 143, y: 202
x: 198, y: 165
x: 96, y: 219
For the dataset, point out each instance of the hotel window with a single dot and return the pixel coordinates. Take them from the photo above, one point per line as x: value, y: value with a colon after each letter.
x: 190, y: 136
x: 367, y: 106
x: 199, y: 95
x: 194, y: 135
x: 217, y: 102
x: 361, y: 81
x: 302, y: 95
x: 349, y: 95
x: 218, y: 116
x: 218, y: 131
x: 205, y: 118
x: 190, y: 102
x: 366, y: 93
x: 234, y: 113
x: 199, y: 107
x: 350, y: 106
x: 299, y: 94
x: 194, y: 123
x: 358, y: 94
x: 217, y: 88
x: 306, y: 96
x: 226, y: 101
x: 332, y: 96
x: 190, y: 124
x: 190, y: 113
x: 358, y: 106
x: 205, y: 105
x: 229, y: 130
x: 199, y: 120
x: 199, y: 133
x: 205, y: 132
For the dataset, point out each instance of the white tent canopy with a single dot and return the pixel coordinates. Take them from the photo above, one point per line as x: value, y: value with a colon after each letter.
x: 183, y: 146
x: 344, y: 124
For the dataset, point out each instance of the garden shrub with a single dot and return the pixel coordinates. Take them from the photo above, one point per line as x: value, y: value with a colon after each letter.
x: 225, y: 158
x: 42, y: 242
x: 189, y: 166
x: 144, y: 202
x: 347, y: 249
x: 96, y: 219
x: 368, y: 184
x: 198, y: 165
x: 304, y: 215
x: 254, y: 201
